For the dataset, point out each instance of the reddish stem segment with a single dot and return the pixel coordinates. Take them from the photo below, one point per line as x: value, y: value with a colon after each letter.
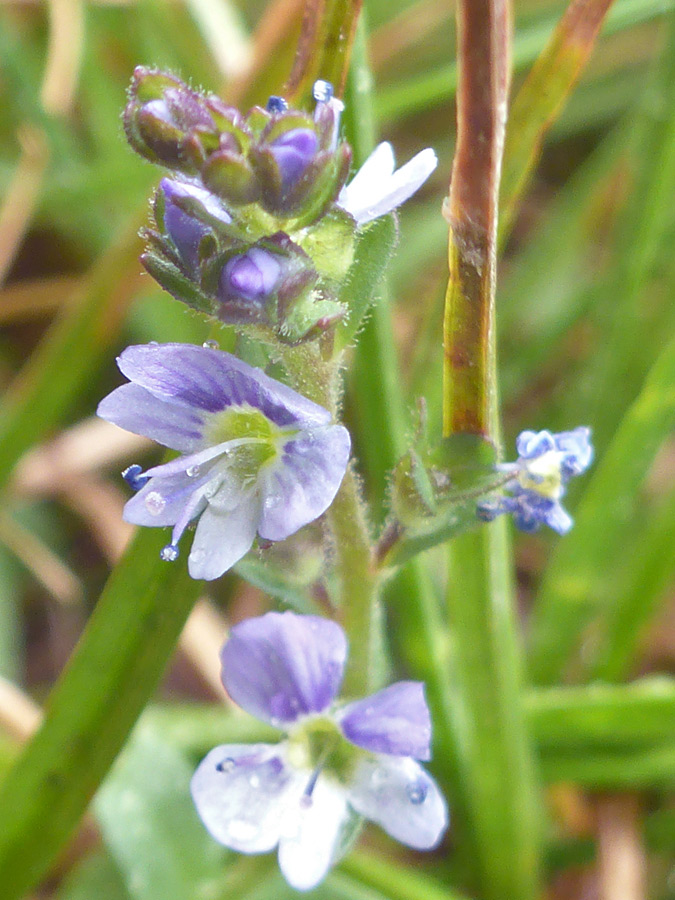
x: 471, y: 210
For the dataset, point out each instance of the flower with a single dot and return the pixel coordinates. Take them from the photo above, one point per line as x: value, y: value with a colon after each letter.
x: 377, y: 189
x: 338, y: 763
x: 255, y: 455
x: 545, y: 464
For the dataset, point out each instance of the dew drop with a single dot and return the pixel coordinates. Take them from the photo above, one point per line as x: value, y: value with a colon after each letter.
x: 155, y: 503
x: 211, y: 345
x: 226, y: 765
x: 417, y: 792
x: 169, y: 553
x: 254, y: 781
x: 197, y: 556
x: 192, y: 471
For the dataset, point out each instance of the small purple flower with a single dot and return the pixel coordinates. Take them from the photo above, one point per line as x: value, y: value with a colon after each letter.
x: 255, y: 455
x: 338, y: 763
x: 546, y: 462
x: 377, y: 189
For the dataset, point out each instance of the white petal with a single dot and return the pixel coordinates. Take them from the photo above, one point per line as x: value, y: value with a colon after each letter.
x: 398, y: 794
x: 224, y: 534
x: 381, y: 196
x: 311, y: 834
x: 370, y: 180
x: 242, y: 791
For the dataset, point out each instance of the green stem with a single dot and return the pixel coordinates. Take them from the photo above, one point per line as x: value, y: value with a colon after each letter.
x: 357, y: 579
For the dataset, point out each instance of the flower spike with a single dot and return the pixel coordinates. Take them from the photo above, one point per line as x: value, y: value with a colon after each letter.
x: 338, y: 763
x: 256, y: 457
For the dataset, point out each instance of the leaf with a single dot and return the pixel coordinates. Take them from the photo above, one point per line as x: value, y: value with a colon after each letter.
x: 95, y: 878
x: 151, y: 827
x: 374, y: 248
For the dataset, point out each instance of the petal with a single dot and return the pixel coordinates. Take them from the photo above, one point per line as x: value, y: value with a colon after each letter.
x: 311, y: 834
x: 302, y: 485
x: 394, y: 721
x: 281, y: 665
x: 135, y: 409
x: 370, y: 180
x: 558, y: 519
x: 531, y: 444
x: 395, y: 191
x: 224, y: 534
x: 241, y: 792
x: 398, y: 794
x: 578, y: 450
x: 206, y: 379
x: 162, y: 500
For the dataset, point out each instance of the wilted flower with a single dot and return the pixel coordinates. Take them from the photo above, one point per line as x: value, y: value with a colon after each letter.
x: 256, y: 456
x: 545, y: 464
x: 377, y: 189
x: 337, y: 763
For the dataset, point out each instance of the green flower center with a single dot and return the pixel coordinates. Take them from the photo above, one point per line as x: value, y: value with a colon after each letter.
x: 543, y: 475
x: 318, y: 744
x: 261, y: 440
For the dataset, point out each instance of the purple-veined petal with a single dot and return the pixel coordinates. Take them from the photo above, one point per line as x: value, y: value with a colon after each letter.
x: 401, y: 797
x: 162, y: 500
x: 211, y: 380
x: 242, y: 791
x: 225, y: 532
x: 301, y: 486
x: 281, y: 666
x: 396, y: 721
x: 135, y: 409
x: 311, y: 834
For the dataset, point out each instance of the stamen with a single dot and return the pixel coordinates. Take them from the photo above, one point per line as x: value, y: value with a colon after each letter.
x: 322, y: 91
x: 134, y: 477
x: 169, y: 553
x: 276, y: 104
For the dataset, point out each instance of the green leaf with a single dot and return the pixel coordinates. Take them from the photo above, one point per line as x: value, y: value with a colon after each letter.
x: 150, y: 825
x: 111, y: 675
x: 374, y: 248
x: 95, y: 878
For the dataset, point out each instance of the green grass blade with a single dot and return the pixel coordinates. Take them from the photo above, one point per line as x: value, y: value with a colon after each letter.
x: 573, y: 590
x: 114, y: 670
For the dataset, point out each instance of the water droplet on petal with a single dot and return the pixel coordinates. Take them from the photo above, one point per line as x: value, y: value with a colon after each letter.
x: 417, y: 792
x: 155, y: 503
x: 254, y: 781
x: 197, y: 556
x: 211, y: 345
x: 226, y: 765
x: 192, y: 471
x: 169, y: 553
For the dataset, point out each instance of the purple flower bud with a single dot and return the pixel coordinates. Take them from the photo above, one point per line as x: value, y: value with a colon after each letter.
x: 185, y: 230
x: 252, y: 275
x: 293, y: 152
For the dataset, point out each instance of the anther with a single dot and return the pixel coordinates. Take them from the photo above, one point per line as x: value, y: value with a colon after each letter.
x: 169, y: 553
x: 276, y: 104
x: 134, y: 477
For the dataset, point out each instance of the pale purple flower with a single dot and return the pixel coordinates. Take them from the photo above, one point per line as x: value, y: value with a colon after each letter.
x: 338, y: 763
x: 545, y: 464
x: 256, y: 457
x: 377, y: 189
